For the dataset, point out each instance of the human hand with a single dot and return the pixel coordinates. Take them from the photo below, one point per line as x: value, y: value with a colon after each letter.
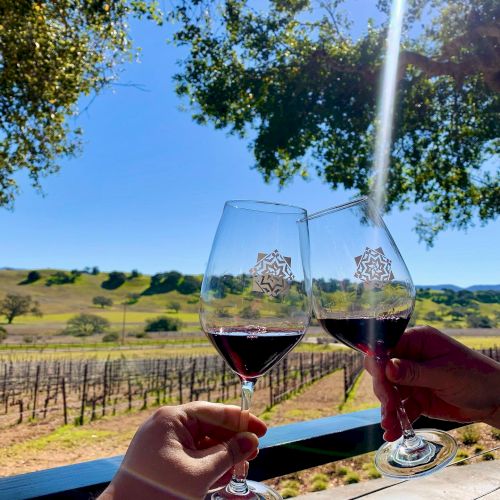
x: 438, y: 377
x: 183, y: 451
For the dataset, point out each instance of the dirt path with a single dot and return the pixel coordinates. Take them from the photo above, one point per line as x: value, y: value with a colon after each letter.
x: 362, y: 396
x: 321, y: 399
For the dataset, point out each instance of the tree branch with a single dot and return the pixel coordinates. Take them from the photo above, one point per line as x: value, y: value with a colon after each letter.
x: 482, y: 56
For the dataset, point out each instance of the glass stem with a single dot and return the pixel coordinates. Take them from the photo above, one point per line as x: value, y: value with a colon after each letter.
x: 238, y: 484
x: 410, y: 439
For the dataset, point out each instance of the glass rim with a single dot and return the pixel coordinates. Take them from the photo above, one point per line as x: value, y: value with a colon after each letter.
x: 337, y: 208
x: 266, y: 206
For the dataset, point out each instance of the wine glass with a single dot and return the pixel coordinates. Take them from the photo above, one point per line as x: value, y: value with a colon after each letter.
x: 256, y: 302
x: 363, y: 295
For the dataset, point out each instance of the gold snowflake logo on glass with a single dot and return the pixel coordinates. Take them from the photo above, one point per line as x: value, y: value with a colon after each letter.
x: 272, y: 274
x: 373, y: 265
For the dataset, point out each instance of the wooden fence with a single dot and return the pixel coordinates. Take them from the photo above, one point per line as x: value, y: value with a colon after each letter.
x: 80, y: 391
x: 77, y: 391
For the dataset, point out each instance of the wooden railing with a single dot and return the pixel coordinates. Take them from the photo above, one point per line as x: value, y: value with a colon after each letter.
x: 285, y: 449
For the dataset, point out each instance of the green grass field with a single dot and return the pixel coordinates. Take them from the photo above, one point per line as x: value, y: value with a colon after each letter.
x: 59, y: 303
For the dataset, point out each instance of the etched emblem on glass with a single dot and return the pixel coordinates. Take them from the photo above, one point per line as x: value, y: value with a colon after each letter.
x: 373, y: 265
x: 272, y: 274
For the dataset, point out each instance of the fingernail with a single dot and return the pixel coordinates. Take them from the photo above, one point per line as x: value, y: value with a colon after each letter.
x: 246, y: 441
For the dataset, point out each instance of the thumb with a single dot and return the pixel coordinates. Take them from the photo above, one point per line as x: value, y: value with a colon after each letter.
x: 223, y: 456
x: 405, y: 372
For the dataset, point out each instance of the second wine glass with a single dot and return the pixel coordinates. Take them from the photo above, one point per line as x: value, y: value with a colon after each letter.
x: 363, y: 295
x: 255, y: 302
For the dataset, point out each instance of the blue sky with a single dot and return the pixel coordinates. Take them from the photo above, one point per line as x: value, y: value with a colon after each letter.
x: 148, y: 190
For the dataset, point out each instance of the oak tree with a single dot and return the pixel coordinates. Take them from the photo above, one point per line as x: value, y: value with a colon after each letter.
x: 295, y: 80
x: 14, y: 305
x: 51, y: 55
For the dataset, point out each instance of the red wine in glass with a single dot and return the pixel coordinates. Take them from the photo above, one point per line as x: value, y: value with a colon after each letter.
x: 363, y: 295
x: 255, y: 303
x: 371, y: 336
x: 251, y: 354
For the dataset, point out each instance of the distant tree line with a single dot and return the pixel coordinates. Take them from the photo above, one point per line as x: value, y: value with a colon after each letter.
x: 459, y: 298
x: 463, y: 306
x: 164, y: 282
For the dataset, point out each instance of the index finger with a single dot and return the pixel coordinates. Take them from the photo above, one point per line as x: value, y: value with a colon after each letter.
x: 220, y: 421
x: 422, y: 343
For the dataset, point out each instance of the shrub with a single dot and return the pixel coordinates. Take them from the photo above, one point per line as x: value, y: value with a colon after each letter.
x: 31, y: 278
x: 222, y: 312
x: 289, y: 492
x: 174, y: 306
x: 99, y: 300
x: 163, y: 324
x: 351, y: 478
x: 83, y: 325
x: 319, y: 482
x: 114, y: 281
x: 28, y: 339
x: 342, y: 471
x: 134, y: 274
x: 60, y: 278
x: 292, y: 483
x: 189, y: 284
x: 111, y: 337
x: 469, y: 435
x: 3, y: 334
x: 248, y: 313
x: 474, y: 321
x: 457, y: 313
x: 461, y: 454
x: 432, y: 316
x: 488, y: 456
x: 319, y: 485
x: 141, y: 335
x: 320, y: 477
x: 163, y: 282
x: 132, y: 298
x: 291, y: 488
x: 371, y: 471
x: 495, y: 433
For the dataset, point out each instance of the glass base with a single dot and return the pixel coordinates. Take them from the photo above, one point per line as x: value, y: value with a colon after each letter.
x: 257, y: 491
x: 436, y: 449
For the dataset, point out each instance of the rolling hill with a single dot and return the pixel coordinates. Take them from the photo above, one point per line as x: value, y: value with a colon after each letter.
x: 59, y: 302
